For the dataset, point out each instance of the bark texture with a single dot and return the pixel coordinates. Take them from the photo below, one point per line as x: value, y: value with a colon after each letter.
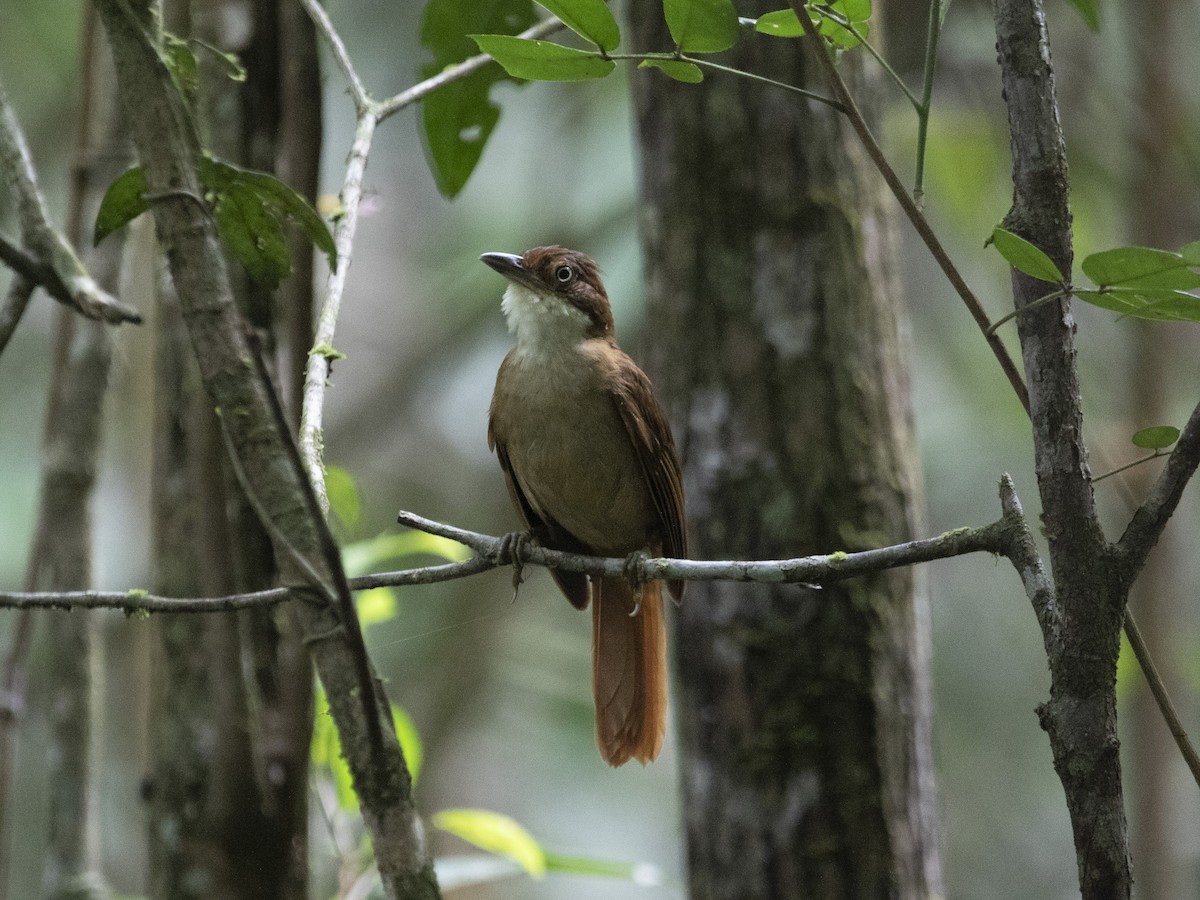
x: 1081, y: 625
x: 803, y: 715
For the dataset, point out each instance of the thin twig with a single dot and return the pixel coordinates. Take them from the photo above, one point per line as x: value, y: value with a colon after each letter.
x: 15, y: 304
x: 915, y: 216
x: 932, y: 36
x: 1161, y: 697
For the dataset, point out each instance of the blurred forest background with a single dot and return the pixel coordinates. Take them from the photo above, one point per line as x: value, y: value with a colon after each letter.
x: 499, y: 690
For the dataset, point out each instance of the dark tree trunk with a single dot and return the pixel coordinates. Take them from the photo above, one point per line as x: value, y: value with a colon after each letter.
x: 229, y: 789
x: 803, y: 714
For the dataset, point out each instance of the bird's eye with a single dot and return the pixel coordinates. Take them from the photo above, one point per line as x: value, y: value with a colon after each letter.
x: 564, y: 274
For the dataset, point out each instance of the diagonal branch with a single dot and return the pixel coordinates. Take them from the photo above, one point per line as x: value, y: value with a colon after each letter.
x: 850, y: 109
x: 1152, y: 516
x: 47, y: 258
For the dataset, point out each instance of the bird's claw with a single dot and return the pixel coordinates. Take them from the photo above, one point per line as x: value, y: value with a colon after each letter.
x: 512, y: 551
x: 635, y: 574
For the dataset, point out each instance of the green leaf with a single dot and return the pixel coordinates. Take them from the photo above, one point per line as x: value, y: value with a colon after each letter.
x: 702, y: 26
x: 1025, y: 257
x: 1141, y: 267
x: 286, y: 202
x: 589, y: 19
x: 252, y: 233
x: 782, y: 23
x: 1156, y: 437
x: 180, y: 61
x: 856, y: 12
x: 123, y: 202
x: 1160, y: 305
x: 326, y: 753
x: 1191, y: 252
x: 410, y: 741
x: 542, y: 60
x: 376, y: 605
x: 562, y: 864
x: 1089, y: 12
x: 677, y: 69
x: 458, y: 118
x: 495, y: 833
x: 343, y: 496
x: 361, y: 557
x: 255, y: 207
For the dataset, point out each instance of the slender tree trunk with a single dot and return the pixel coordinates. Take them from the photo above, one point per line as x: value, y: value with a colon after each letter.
x: 804, y: 715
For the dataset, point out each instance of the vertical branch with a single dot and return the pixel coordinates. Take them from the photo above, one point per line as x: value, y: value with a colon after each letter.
x: 1080, y: 717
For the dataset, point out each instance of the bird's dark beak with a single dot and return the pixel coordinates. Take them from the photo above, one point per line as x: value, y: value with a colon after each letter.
x: 509, y: 265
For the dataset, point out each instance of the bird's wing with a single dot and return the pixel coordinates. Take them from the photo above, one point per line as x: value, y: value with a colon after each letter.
x: 548, y: 532
x: 650, y: 433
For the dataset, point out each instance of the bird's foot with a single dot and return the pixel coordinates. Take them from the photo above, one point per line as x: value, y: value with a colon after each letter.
x: 513, y: 550
x: 636, y: 575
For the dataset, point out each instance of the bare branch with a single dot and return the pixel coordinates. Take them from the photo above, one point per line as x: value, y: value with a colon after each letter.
x: 993, y: 538
x: 19, y: 293
x: 1152, y: 516
x: 47, y: 258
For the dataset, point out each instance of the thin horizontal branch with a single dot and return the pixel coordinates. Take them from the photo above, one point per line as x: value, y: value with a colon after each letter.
x: 135, y: 602
x: 1004, y: 537
x: 993, y: 538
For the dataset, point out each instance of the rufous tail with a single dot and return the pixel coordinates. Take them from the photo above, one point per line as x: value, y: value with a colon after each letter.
x: 629, y: 670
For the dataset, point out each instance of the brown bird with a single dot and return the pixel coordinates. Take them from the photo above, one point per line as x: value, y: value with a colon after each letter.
x: 591, y: 467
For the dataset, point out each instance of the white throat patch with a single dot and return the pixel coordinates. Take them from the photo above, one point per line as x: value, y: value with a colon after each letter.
x: 544, y: 325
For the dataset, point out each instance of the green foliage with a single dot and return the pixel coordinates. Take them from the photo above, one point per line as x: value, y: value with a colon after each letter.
x: 590, y: 19
x: 325, y: 751
x: 785, y: 24
x: 180, y: 61
x: 542, y: 60
x: 496, y: 833
x: 344, y: 500
x: 1156, y: 437
x: 1089, y: 11
x: 123, y: 202
x: 458, y: 118
x: 366, y: 556
x: 686, y: 72
x: 1025, y: 257
x: 701, y: 26
x: 1145, y: 283
x: 249, y: 209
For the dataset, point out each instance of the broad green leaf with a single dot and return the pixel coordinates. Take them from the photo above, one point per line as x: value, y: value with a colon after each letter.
x: 458, y: 118
x: 1156, y: 437
x: 495, y: 833
x: 343, y: 496
x: 252, y: 233
x: 376, y: 605
x: 542, y: 60
x: 589, y: 19
x: 1089, y: 11
x: 1162, y: 305
x: 782, y: 23
x: 1141, y: 267
x: 278, y: 200
x: 702, y: 26
x: 677, y: 69
x: 123, y: 202
x: 1025, y: 257
x: 362, y: 557
x: 1191, y: 252
x: 286, y: 202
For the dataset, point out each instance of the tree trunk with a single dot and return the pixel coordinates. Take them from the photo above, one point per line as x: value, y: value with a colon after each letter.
x: 804, y: 715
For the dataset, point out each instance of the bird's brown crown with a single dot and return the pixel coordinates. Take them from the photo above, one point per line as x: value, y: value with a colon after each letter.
x: 575, y: 277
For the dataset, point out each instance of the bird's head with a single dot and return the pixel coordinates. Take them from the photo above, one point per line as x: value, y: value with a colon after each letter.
x: 554, y: 297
